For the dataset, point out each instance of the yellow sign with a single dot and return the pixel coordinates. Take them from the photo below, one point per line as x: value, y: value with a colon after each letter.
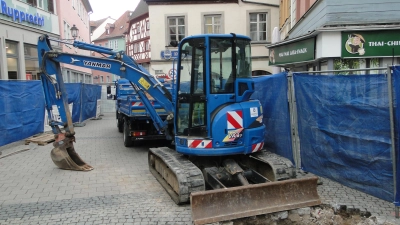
x: 144, y: 83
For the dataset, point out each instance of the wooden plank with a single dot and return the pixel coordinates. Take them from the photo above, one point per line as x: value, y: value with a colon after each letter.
x: 42, y: 139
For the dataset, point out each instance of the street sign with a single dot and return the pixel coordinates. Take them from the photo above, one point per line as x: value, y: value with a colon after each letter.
x: 169, y: 54
x: 172, y: 73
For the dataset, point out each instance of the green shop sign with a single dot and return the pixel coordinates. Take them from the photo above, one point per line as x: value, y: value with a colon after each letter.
x: 300, y: 51
x: 382, y: 43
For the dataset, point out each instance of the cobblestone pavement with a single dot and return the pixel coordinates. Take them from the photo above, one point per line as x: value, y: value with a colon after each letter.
x: 120, y: 190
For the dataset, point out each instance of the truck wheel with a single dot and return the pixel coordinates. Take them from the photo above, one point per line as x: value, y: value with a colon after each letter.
x: 120, y: 125
x: 127, y: 139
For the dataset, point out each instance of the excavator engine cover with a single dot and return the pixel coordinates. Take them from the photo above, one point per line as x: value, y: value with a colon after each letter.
x: 64, y: 155
x: 250, y: 200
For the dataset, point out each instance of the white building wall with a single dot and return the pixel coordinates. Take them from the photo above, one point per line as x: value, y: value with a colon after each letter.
x: 328, y: 44
x: 235, y: 20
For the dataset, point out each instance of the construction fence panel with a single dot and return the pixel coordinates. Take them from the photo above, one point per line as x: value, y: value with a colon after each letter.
x: 344, y: 130
x: 271, y: 91
x: 90, y: 94
x: 21, y: 110
x: 83, y: 98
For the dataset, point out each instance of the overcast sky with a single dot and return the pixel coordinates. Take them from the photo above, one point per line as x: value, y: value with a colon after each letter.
x: 113, y: 8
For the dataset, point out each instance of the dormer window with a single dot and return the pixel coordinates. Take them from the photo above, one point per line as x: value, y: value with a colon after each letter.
x: 107, y: 31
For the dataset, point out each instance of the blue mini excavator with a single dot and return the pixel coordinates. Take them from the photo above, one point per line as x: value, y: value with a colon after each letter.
x: 218, y: 163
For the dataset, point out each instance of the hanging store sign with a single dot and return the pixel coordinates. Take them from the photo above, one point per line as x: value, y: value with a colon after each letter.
x: 300, y: 51
x: 382, y: 43
x: 21, y: 16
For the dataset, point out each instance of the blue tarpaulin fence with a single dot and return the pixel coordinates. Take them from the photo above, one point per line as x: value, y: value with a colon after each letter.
x: 84, y: 98
x: 21, y: 110
x: 343, y: 125
x: 22, y: 107
x: 272, y: 93
x: 344, y: 130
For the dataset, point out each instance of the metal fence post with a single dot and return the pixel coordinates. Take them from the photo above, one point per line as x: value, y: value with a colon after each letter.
x: 392, y: 131
x: 293, y: 121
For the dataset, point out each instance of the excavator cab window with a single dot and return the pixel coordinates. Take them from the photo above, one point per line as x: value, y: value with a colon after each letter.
x: 230, y: 59
x: 191, y: 110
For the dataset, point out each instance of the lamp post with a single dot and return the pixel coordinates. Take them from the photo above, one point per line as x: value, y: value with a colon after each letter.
x: 74, y: 31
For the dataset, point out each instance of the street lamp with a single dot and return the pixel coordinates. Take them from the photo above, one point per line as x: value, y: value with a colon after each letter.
x: 74, y: 31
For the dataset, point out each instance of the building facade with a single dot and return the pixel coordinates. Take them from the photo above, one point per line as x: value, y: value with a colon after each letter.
x: 138, y: 44
x: 70, y: 13
x: 176, y: 19
x: 325, y: 36
x: 21, y: 24
x: 113, y: 37
x: 97, y: 27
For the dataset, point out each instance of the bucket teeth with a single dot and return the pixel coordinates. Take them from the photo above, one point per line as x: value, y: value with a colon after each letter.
x: 65, y: 156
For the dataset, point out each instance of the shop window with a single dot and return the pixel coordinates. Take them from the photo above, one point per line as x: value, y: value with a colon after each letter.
x: 74, y: 77
x: 87, y: 79
x: 345, y: 64
x: 259, y: 73
x: 12, y: 59
x: 31, y: 62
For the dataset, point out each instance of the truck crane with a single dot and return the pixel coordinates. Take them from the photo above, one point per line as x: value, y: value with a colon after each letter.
x: 218, y: 162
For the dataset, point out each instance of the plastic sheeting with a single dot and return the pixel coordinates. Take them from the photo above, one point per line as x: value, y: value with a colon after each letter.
x: 344, y: 130
x: 271, y: 91
x: 84, y: 98
x: 21, y: 110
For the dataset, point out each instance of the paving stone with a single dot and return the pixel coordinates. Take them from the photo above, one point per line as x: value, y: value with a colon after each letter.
x: 120, y: 189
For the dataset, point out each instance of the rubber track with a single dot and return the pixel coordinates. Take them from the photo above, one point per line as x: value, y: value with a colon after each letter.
x: 282, y: 167
x: 189, y: 176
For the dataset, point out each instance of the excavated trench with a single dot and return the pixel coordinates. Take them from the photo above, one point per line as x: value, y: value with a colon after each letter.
x: 321, y: 215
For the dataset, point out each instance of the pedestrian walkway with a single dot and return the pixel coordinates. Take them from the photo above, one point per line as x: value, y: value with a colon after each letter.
x: 120, y: 190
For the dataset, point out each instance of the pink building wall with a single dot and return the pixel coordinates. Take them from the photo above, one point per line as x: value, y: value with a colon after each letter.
x: 68, y: 12
x: 302, y: 7
x: 98, y: 76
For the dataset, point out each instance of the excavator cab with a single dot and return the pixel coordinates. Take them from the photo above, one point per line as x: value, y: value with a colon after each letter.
x: 213, y: 99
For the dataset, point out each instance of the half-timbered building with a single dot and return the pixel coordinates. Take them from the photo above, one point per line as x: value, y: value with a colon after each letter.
x: 138, y: 44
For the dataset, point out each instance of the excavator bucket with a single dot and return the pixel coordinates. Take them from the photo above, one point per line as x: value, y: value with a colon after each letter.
x: 64, y: 155
x: 250, y: 200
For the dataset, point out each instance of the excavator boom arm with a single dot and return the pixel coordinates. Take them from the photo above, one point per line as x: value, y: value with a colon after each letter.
x: 117, y: 63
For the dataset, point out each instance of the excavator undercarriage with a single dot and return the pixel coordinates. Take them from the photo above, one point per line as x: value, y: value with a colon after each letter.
x: 226, y: 188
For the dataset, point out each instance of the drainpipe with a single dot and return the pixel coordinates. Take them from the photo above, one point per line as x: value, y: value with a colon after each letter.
x: 259, y: 3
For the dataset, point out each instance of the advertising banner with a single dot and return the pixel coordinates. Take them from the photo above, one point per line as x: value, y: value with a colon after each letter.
x: 382, y: 43
x: 300, y: 51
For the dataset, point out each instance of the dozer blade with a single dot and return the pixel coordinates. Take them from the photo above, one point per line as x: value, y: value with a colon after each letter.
x: 64, y: 155
x: 250, y: 200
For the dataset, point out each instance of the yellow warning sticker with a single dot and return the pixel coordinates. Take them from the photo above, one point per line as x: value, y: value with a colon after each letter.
x: 144, y: 83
